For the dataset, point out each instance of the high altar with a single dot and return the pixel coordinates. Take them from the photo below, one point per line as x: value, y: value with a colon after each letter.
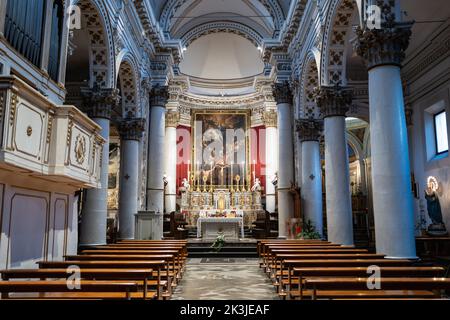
x: 221, y: 180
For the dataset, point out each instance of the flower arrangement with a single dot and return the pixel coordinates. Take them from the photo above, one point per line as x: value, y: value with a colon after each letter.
x: 218, y: 243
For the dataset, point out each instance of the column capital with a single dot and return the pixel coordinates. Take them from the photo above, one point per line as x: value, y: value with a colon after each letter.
x: 172, y: 118
x: 385, y: 46
x: 270, y: 118
x: 132, y: 129
x: 282, y: 92
x: 159, y: 96
x: 333, y: 100
x: 100, y: 101
x: 309, y: 129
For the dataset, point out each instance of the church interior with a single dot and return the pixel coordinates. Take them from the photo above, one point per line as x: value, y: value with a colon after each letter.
x: 187, y: 149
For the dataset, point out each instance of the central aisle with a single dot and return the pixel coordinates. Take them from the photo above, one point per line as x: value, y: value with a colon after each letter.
x: 224, y: 279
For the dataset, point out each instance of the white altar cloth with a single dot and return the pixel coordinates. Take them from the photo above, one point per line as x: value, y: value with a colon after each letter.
x: 239, y: 220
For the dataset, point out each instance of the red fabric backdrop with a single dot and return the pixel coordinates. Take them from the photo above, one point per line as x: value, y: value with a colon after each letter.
x: 183, y: 153
x: 257, y: 153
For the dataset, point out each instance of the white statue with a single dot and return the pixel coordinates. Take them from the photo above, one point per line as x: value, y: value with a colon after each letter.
x: 256, y: 185
x: 186, y: 184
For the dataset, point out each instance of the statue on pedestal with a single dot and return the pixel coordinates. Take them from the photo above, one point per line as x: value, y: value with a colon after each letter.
x: 437, y: 226
x: 186, y: 186
x: 256, y: 185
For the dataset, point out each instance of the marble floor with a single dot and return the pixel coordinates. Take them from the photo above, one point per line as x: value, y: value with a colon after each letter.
x: 224, y: 279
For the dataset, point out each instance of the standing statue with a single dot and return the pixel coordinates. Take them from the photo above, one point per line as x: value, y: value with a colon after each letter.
x: 256, y: 185
x: 186, y: 185
x: 437, y: 226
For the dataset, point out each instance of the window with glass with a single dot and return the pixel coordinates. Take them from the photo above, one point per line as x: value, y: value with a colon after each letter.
x: 440, y: 129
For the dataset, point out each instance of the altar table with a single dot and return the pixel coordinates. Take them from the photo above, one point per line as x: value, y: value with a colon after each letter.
x: 230, y: 227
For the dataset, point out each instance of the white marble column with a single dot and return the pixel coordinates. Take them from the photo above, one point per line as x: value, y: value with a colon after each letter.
x: 270, y: 122
x: 170, y: 163
x: 383, y: 49
x: 311, y: 185
x: 283, y: 98
x: 155, y: 183
x: 130, y: 133
x: 334, y: 103
x: 98, y: 103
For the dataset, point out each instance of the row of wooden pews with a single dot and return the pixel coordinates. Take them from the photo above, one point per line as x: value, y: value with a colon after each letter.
x: 316, y: 269
x: 129, y: 269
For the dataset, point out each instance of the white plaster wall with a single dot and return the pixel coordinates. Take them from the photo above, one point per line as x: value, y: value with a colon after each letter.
x: 35, y: 225
x: 424, y: 166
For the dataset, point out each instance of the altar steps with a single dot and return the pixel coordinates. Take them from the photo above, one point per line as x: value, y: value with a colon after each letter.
x: 230, y: 250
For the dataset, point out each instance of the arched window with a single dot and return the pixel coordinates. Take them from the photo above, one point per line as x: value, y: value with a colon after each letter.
x: 55, y: 39
x: 24, y: 24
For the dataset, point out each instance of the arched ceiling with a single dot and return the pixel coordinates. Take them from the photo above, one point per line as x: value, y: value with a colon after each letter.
x: 178, y: 17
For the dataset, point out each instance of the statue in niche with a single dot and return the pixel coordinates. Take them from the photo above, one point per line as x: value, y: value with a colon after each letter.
x: 437, y: 226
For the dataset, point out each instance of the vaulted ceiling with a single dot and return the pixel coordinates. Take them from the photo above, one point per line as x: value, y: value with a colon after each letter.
x: 178, y: 17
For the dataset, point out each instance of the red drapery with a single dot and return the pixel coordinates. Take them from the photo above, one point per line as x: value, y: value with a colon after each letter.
x: 183, y: 153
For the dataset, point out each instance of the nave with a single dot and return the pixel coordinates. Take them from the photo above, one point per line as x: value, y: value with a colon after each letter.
x: 295, y: 269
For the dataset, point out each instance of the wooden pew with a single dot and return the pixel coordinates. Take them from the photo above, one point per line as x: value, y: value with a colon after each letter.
x: 143, y: 276
x: 60, y: 289
x: 157, y: 265
x: 300, y: 274
x: 288, y: 265
x: 360, y: 285
x: 172, y: 270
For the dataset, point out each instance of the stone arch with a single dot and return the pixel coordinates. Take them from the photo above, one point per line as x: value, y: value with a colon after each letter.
x: 215, y: 27
x: 335, y: 41
x: 128, y: 86
x: 309, y: 81
x: 101, y: 51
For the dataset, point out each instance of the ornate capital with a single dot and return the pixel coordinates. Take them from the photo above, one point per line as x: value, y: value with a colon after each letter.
x: 333, y: 100
x: 385, y: 46
x: 282, y: 92
x: 132, y: 129
x: 159, y: 96
x: 99, y: 102
x: 270, y: 118
x: 172, y: 119
x: 309, y: 129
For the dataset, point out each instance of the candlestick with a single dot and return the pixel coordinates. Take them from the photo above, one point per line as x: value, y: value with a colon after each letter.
x: 211, y: 173
x: 198, y: 176
x: 243, y: 176
x: 254, y: 171
x: 232, y: 190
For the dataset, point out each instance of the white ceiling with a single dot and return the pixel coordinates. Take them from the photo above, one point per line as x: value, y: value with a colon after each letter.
x: 221, y: 56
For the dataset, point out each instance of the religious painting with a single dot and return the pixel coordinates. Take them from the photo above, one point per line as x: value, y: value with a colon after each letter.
x: 221, y: 148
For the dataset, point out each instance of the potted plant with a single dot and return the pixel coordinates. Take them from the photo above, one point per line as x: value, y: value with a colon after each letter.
x: 308, y: 232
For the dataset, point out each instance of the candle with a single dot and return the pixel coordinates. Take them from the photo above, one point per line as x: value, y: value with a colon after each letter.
x: 243, y: 176
x: 231, y: 175
x: 189, y: 170
x: 211, y: 176
x: 254, y: 171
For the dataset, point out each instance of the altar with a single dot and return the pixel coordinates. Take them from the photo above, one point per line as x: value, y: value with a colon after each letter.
x: 209, y: 228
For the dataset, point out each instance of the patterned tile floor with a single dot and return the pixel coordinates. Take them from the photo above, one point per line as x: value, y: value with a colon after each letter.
x: 224, y: 279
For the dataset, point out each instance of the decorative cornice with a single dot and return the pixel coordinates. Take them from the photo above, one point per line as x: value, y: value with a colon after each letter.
x: 172, y: 119
x: 309, y: 130
x: 159, y: 96
x: 282, y: 92
x: 132, y: 129
x: 270, y: 118
x: 98, y: 102
x: 385, y: 46
x: 333, y: 100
